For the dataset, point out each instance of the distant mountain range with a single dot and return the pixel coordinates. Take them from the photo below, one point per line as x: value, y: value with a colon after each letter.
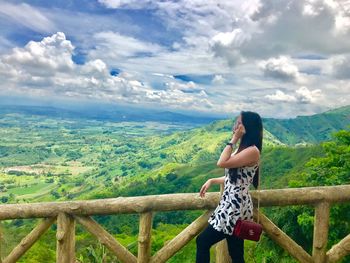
x: 302, y: 129
x: 106, y: 113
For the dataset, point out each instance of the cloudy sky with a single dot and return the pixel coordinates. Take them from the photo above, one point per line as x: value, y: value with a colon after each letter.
x: 279, y: 58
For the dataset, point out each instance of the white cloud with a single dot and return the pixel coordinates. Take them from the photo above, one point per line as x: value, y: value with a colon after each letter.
x: 281, y: 96
x: 288, y: 27
x: 26, y: 16
x: 43, y: 58
x: 187, y: 86
x: 218, y: 80
x: 163, y: 75
x: 46, y: 68
x: 196, y: 20
x: 228, y: 44
x: 280, y: 68
x: 236, y: 38
x: 304, y: 95
x: 115, y: 45
x: 133, y: 4
x: 242, y: 31
x: 95, y: 68
x: 309, y: 10
x: 184, y: 61
x: 339, y: 67
x: 144, y: 58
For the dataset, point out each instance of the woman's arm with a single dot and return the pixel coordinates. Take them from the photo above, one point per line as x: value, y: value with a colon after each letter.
x: 226, y: 153
x: 208, y: 183
x: 217, y: 180
x: 245, y: 157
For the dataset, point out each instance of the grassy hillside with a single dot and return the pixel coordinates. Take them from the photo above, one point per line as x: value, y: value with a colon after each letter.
x: 309, y: 129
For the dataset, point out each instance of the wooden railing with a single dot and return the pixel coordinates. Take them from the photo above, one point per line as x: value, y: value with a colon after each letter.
x: 67, y: 214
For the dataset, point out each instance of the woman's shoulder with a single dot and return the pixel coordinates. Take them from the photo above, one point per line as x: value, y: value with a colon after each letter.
x: 255, y: 150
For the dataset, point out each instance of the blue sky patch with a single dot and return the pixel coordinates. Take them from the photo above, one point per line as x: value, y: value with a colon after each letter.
x: 311, y: 57
x: 311, y: 71
x: 114, y: 72
x: 200, y: 79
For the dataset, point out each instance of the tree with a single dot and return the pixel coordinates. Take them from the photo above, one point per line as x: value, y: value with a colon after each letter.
x: 331, y: 169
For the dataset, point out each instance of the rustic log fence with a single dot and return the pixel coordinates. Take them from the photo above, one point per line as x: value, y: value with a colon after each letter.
x: 67, y: 214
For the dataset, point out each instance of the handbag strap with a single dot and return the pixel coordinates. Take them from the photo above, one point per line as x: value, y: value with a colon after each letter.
x: 258, y: 189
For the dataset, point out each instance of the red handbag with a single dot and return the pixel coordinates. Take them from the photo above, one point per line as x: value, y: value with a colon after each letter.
x: 247, y: 230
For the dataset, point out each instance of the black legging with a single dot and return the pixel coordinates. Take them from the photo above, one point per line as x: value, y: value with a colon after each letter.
x: 209, y: 237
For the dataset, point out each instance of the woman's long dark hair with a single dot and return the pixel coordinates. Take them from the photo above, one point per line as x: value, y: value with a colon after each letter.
x: 253, y: 136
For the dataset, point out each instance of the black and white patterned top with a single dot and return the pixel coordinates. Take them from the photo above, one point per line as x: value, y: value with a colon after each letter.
x: 229, y: 209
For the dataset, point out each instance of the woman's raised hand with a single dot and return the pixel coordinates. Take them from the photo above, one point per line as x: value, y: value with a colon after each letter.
x: 204, y: 188
x: 238, y: 132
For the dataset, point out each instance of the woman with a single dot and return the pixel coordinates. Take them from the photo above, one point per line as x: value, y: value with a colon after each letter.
x: 241, y: 169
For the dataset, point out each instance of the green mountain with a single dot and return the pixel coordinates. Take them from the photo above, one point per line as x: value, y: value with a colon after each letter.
x: 300, y: 130
x: 309, y: 129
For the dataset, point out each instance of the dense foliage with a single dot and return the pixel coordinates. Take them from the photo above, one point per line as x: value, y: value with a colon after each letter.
x: 331, y: 169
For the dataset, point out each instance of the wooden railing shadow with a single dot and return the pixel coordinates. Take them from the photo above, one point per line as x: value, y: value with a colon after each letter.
x: 67, y: 214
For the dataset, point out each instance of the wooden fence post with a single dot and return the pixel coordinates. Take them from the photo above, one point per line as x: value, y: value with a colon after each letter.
x: 65, y: 251
x: 144, y: 248
x: 321, y: 226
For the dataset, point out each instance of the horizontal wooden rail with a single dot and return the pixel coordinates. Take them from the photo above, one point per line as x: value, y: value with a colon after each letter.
x: 303, y: 196
x: 172, y: 202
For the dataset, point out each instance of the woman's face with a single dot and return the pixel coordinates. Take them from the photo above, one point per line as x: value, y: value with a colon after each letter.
x: 237, y: 123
